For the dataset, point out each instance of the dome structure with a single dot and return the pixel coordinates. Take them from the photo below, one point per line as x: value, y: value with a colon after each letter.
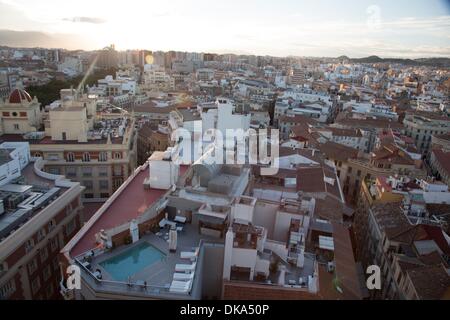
x: 19, y: 95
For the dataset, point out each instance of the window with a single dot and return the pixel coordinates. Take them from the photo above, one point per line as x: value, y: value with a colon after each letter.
x: 29, y: 245
x: 88, y: 195
x: 103, y: 156
x: 35, y: 285
x: 14, y: 114
x: 23, y: 114
x: 64, y: 136
x: 5, y: 114
x: 117, y: 171
x: 87, y: 171
x: 103, y: 171
x: 44, y: 254
x: 54, y: 244
x: 70, y: 227
x: 69, y: 210
x: 55, y: 264
x: 51, y: 225
x: 86, y: 157
x: 3, y: 267
x: 104, y: 195
x: 54, y: 170
x: 70, y: 157
x: 47, y: 273
x: 358, y: 173
x: 117, y: 155
x: 16, y: 126
x: 41, y: 234
x: 103, y: 184
x: 71, y: 172
x: 32, y: 266
x: 7, y: 289
x: 117, y: 183
x: 88, y: 184
x: 37, y: 154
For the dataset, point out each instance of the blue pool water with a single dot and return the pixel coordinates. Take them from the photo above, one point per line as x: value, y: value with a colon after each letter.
x: 132, y: 261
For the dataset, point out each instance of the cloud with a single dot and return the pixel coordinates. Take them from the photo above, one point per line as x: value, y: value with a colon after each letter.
x: 93, y: 20
x: 30, y: 39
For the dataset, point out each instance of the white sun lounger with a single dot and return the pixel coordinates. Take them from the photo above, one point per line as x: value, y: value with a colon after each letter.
x: 179, y: 289
x: 187, y: 268
x: 165, y: 222
x: 162, y: 223
x: 183, y: 276
x: 180, y: 286
x: 192, y: 255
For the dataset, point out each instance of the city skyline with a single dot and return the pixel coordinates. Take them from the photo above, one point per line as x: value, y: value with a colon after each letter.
x: 294, y: 28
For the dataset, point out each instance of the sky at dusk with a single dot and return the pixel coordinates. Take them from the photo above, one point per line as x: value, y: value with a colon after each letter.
x: 401, y: 28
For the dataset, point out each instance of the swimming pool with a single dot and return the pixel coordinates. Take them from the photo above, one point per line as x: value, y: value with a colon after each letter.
x: 132, y: 261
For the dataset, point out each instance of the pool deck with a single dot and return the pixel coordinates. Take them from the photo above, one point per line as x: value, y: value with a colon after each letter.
x: 158, y: 274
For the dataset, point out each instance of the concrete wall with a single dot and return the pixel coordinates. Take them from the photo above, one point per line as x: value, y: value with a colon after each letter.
x: 212, y: 279
x: 264, y: 216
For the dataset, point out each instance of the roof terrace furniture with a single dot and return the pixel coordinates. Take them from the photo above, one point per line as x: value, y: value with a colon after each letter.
x: 179, y: 289
x: 183, y: 276
x: 164, y: 222
x: 86, y: 264
x: 97, y: 274
x: 187, y: 268
x: 192, y: 255
x: 180, y: 219
x: 181, y: 286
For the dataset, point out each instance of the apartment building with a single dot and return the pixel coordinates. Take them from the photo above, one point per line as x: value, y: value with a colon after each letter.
x: 151, y: 138
x: 440, y: 165
x: 422, y: 125
x: 97, y: 151
x: 201, y: 218
x: 39, y: 214
x: 353, y: 167
x: 205, y: 74
x: 287, y: 123
x: 155, y: 79
x: 370, y: 126
x: 352, y: 138
x: 413, y: 257
x: 298, y: 76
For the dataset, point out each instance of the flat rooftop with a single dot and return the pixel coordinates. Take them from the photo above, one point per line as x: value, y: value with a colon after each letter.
x: 158, y: 275
x: 48, y: 140
x: 30, y: 196
x: 132, y: 201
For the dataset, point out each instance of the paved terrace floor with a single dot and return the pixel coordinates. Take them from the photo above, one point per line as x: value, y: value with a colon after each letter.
x: 160, y: 273
x: 131, y: 203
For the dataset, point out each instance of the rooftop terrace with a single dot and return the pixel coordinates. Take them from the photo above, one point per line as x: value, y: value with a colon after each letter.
x: 130, y: 201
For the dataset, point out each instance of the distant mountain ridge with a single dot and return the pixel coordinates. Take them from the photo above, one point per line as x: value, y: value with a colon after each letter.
x: 436, y: 62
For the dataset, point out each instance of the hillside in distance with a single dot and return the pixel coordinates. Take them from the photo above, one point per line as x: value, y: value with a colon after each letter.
x: 432, y: 62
